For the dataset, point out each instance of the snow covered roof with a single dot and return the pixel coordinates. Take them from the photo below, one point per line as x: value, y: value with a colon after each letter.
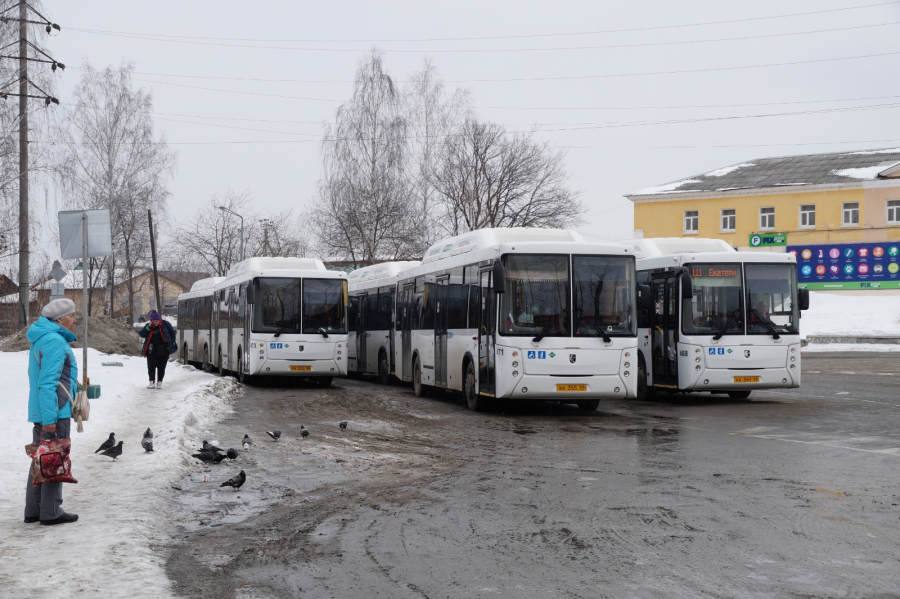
x: 485, y: 238
x: 811, y: 169
x: 380, y: 271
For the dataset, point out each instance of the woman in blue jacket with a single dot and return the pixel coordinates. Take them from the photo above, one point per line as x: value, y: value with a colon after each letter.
x: 52, y: 378
x: 159, y: 342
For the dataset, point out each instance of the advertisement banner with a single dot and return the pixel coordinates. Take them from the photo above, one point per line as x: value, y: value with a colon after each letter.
x: 759, y: 240
x: 848, y: 265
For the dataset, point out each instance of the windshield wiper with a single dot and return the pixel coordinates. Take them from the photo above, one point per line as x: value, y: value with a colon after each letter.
x: 324, y: 334
x: 728, y: 321
x: 597, y: 328
x: 549, y: 326
x: 280, y: 331
x: 765, y: 322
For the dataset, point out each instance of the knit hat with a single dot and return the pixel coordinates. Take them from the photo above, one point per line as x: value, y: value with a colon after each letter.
x: 154, y: 315
x: 58, y: 308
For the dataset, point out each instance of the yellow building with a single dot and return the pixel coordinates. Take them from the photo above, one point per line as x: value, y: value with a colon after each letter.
x: 840, y: 213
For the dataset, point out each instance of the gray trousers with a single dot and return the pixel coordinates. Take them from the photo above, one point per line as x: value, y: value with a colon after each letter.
x: 45, y: 501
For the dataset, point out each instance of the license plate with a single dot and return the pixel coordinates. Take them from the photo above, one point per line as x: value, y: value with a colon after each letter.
x: 746, y: 379
x: 301, y: 368
x: 571, y: 387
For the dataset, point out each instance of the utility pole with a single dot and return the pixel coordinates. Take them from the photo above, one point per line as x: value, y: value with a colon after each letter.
x: 24, y: 247
x: 159, y: 306
x: 23, y: 58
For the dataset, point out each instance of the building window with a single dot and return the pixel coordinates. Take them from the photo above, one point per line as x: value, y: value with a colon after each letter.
x: 728, y: 221
x: 766, y: 219
x: 691, y: 221
x: 808, y: 216
x: 850, y: 214
x: 893, y: 212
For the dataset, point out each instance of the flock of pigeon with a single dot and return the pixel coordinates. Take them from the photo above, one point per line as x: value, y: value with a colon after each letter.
x: 209, y: 453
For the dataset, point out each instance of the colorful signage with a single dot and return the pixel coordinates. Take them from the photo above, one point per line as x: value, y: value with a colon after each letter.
x: 848, y: 266
x: 758, y: 240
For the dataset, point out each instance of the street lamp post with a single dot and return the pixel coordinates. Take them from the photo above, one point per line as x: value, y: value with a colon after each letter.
x: 224, y: 209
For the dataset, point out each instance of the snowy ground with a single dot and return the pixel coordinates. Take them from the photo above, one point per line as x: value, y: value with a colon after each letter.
x: 831, y: 314
x: 111, y: 547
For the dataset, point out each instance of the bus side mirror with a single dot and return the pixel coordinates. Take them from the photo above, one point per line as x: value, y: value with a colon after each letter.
x: 251, y: 293
x: 645, y: 302
x: 687, y: 285
x: 499, y: 277
x: 803, y: 298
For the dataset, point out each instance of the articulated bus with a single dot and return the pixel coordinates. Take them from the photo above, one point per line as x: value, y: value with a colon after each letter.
x: 519, y: 313
x: 270, y: 316
x: 717, y: 320
x: 370, y: 348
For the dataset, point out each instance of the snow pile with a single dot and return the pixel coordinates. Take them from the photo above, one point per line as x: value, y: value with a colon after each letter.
x: 852, y: 315
x: 105, y: 334
x: 121, y: 504
x: 721, y: 172
x: 867, y: 172
x: 667, y: 188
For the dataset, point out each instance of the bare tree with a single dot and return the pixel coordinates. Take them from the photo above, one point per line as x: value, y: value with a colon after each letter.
x: 491, y: 179
x: 363, y: 199
x: 112, y: 159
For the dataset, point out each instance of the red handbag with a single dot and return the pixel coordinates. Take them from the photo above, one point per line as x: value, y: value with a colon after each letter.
x: 50, y: 461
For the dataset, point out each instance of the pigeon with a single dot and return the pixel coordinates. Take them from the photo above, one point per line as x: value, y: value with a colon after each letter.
x: 147, y: 441
x: 210, y: 448
x: 236, y: 481
x: 205, y: 456
x: 274, y: 434
x: 114, y: 452
x: 219, y: 457
x: 108, y: 443
x: 303, y: 431
x: 232, y: 454
x: 343, y: 425
x: 247, y: 442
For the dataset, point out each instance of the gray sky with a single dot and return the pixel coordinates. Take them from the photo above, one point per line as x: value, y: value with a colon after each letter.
x: 586, y: 97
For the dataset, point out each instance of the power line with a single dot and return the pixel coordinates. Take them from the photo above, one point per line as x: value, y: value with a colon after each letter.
x: 493, y: 37
x: 516, y: 50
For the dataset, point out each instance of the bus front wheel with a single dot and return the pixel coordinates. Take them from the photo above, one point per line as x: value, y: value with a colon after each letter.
x: 738, y: 394
x: 384, y: 371
x: 476, y: 402
x: 644, y: 391
x: 325, y: 381
x: 418, y: 385
x: 222, y: 370
x: 207, y: 366
x: 589, y: 406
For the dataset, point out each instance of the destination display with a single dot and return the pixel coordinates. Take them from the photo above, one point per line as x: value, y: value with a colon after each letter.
x: 848, y: 266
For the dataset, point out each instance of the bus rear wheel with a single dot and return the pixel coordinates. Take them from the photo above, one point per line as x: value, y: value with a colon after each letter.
x: 589, y: 406
x: 325, y: 381
x: 418, y: 386
x: 476, y: 402
x: 738, y: 394
x: 384, y: 371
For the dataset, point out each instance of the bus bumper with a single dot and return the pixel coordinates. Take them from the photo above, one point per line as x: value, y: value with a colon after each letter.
x: 737, y: 380
x: 551, y: 388
x: 305, y: 368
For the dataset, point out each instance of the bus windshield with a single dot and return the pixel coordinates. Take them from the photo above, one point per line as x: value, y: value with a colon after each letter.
x: 770, y: 298
x: 603, y: 288
x: 716, y: 305
x: 277, y: 306
x: 323, y: 305
x: 537, y: 295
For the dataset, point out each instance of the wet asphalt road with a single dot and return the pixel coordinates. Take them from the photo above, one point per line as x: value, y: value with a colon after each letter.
x: 786, y: 494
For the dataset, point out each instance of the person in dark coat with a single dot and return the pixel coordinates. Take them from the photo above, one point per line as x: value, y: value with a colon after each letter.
x: 159, y: 342
x: 53, y: 380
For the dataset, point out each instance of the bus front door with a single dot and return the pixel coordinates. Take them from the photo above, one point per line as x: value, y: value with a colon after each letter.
x: 232, y: 317
x: 214, y: 342
x: 441, y: 288
x: 195, y: 320
x: 361, y: 333
x: 406, y: 324
x: 664, y: 291
x: 486, y: 335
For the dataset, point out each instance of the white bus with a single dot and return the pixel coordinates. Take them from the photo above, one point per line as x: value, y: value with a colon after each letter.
x: 275, y: 316
x: 370, y: 346
x: 718, y: 320
x: 194, y: 318
x: 519, y: 313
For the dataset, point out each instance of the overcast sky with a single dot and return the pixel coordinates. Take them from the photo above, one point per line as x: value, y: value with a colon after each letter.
x: 596, y: 78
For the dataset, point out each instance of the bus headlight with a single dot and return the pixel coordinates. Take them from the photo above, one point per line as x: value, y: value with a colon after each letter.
x: 792, y: 366
x: 515, y: 364
x: 515, y: 373
x: 697, y: 359
x: 793, y: 358
x: 627, y: 364
x: 697, y: 367
x: 627, y: 373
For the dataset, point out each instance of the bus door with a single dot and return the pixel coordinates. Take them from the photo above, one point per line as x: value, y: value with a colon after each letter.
x: 391, y: 331
x: 442, y: 292
x: 195, y: 321
x: 232, y: 316
x: 664, y: 291
x: 487, y: 328
x: 406, y: 324
x: 245, y: 326
x: 216, y: 318
x: 361, y: 332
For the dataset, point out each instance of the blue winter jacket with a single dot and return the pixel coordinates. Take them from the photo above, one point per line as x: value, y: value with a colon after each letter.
x: 51, y: 370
